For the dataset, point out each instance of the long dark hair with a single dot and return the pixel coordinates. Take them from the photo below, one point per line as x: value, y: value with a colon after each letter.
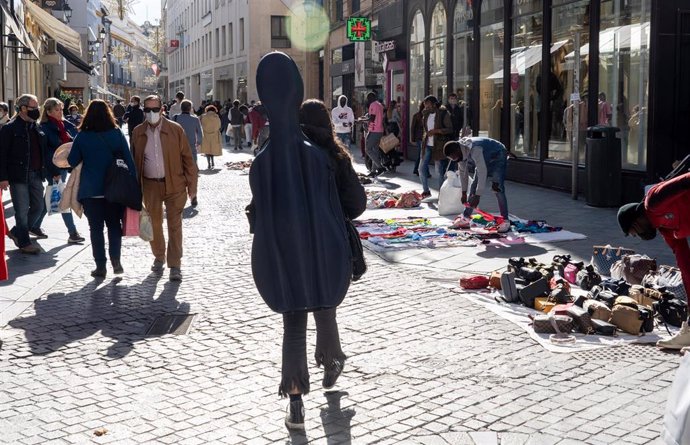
x: 317, y: 126
x: 98, y: 117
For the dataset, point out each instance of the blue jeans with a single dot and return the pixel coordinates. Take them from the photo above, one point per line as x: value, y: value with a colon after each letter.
x: 345, y: 138
x: 100, y: 212
x: 424, y: 169
x: 28, y: 203
x: 67, y: 218
x: 419, y: 158
x: 496, y: 172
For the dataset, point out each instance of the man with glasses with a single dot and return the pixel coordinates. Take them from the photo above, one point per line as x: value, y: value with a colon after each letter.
x: 23, y: 158
x: 168, y: 175
x: 134, y: 116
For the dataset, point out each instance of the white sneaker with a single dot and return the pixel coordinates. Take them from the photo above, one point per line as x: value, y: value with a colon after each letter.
x: 461, y: 223
x: 678, y: 341
x: 503, y: 227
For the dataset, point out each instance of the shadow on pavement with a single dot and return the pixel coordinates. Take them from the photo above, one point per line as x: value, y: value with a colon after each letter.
x: 337, y: 421
x: 519, y: 250
x: 214, y: 171
x: 120, y: 312
x: 20, y: 264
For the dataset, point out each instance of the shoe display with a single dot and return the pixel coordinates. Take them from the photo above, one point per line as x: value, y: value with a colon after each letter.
x: 117, y: 267
x: 678, y: 341
x: 503, y: 227
x: 30, y: 249
x: 461, y: 223
x: 331, y: 372
x: 75, y: 238
x: 99, y: 272
x: 175, y: 274
x: 158, y: 266
x: 38, y: 233
x: 294, y: 419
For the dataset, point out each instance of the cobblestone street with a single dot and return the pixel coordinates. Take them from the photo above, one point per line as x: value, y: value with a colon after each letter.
x: 425, y: 365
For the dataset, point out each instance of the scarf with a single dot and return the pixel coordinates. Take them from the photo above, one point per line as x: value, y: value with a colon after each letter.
x: 64, y: 136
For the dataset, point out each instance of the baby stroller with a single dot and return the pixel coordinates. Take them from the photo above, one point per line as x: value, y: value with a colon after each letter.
x: 390, y: 161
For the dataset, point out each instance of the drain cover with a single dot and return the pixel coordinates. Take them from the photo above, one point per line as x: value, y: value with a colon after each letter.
x: 171, y: 324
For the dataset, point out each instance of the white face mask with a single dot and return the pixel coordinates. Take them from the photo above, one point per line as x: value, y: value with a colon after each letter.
x: 153, y: 118
x: 132, y: 104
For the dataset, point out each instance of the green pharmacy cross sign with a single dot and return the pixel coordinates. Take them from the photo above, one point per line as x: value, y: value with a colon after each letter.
x: 358, y: 29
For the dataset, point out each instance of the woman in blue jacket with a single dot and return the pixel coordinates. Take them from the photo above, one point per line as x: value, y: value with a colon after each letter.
x: 58, y: 131
x: 98, y: 140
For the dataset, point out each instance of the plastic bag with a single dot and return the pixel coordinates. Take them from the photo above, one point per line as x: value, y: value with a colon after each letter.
x: 450, y: 195
x: 53, y: 196
x: 145, y: 225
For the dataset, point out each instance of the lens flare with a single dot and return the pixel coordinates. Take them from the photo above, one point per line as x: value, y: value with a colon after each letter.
x: 309, y: 26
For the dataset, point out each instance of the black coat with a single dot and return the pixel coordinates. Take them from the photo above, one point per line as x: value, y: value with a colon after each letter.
x: 15, y: 151
x: 134, y: 117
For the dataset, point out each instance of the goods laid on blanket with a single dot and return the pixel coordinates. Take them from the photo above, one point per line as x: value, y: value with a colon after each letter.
x: 418, y: 232
x: 383, y: 199
x: 635, y: 295
x: 242, y: 165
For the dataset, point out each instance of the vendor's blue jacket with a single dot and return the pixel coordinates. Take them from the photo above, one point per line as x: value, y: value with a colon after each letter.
x: 96, y: 150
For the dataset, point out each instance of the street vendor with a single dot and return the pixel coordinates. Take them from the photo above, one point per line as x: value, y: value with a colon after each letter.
x: 489, y: 158
x: 665, y: 208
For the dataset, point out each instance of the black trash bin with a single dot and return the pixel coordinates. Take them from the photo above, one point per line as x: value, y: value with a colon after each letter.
x: 603, y: 167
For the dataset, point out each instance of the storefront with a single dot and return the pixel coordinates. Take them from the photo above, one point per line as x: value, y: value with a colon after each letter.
x: 516, y: 63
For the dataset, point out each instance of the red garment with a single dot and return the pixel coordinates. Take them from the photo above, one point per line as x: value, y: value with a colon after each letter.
x: 3, y: 234
x: 668, y: 208
x: 64, y: 136
x: 257, y: 121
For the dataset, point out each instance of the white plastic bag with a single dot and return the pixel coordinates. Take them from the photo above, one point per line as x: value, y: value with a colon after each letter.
x: 145, y: 225
x: 450, y: 195
x: 677, y: 418
x: 53, y: 196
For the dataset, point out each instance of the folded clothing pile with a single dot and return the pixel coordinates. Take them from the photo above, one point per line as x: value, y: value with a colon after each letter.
x: 242, y: 165
x: 383, y: 199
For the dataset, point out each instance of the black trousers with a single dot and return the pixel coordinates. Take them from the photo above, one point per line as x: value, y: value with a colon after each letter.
x: 100, y: 214
x: 295, y: 372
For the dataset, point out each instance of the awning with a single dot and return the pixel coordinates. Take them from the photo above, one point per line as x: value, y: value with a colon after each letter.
x: 17, y: 30
x: 210, y: 93
x: 526, y: 58
x: 102, y: 90
x: 74, y: 59
x: 54, y: 28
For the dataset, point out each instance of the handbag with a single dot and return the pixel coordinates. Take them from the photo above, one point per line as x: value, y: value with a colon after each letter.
x: 539, y: 288
x: 602, y: 327
x: 509, y: 288
x: 626, y: 319
x: 673, y: 311
x: 597, y: 310
x: 495, y: 279
x: 474, y: 282
x: 632, y: 268
x: 359, y: 264
x: 668, y: 277
x: 587, y: 278
x: 145, y: 225
x: 121, y: 187
x: 130, y: 223
x: 603, y: 257
x: 388, y: 142
x: 552, y: 324
x: 544, y: 304
x: 581, y: 319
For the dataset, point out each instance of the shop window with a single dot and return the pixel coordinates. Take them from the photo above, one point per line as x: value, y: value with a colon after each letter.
x: 241, y: 34
x: 417, y: 62
x: 525, y: 73
x: 464, y: 53
x: 624, y: 75
x: 570, y: 23
x: 354, y: 7
x: 492, y: 43
x: 337, y: 85
x: 437, y: 54
x: 279, y: 32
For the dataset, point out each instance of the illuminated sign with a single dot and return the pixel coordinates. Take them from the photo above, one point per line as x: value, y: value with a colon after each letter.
x: 358, y: 29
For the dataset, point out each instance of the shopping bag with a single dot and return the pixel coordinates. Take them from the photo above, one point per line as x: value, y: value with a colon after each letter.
x: 450, y: 195
x: 677, y: 418
x: 130, y: 222
x: 53, y: 196
x: 145, y: 225
x: 388, y: 142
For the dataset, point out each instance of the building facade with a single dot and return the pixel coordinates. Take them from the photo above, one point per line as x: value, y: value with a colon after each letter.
x: 214, y: 47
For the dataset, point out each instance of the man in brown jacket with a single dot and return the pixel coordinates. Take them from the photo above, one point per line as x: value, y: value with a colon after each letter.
x: 438, y: 129
x: 168, y: 175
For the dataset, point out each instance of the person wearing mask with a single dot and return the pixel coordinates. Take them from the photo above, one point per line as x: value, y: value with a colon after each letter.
x: 343, y: 118
x: 438, y: 130
x: 666, y: 209
x: 23, y: 160
x: 490, y: 160
x: 118, y: 112
x: 375, y: 134
x: 134, y: 115
x: 417, y: 135
x: 95, y: 146
x: 237, y: 124
x: 73, y: 116
x: 176, y: 108
x: 210, y: 146
x: 192, y: 128
x: 317, y: 125
x: 58, y: 131
x: 168, y: 175
x: 244, y: 109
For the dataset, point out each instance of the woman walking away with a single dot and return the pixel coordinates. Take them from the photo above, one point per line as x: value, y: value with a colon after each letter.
x: 210, y: 126
x: 95, y: 146
x: 316, y: 124
x: 58, y: 131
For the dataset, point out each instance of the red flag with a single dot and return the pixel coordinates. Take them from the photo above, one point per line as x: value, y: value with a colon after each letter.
x: 155, y: 69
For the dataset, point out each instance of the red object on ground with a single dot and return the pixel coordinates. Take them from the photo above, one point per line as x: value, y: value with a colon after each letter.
x: 475, y: 282
x: 488, y: 216
x: 3, y: 234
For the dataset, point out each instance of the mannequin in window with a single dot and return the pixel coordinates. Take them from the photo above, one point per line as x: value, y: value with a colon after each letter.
x: 495, y: 121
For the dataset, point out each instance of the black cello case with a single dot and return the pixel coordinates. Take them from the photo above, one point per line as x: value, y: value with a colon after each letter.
x: 301, y: 257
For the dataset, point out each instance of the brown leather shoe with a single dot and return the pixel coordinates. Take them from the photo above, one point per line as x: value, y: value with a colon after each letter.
x: 30, y: 249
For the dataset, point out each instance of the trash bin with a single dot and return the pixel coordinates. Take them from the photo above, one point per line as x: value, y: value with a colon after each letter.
x: 603, y: 167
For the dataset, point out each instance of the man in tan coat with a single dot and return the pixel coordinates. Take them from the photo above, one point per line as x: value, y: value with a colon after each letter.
x: 168, y: 175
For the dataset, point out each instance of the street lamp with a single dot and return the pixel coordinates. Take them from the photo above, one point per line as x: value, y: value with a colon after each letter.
x: 101, y: 34
x: 67, y: 10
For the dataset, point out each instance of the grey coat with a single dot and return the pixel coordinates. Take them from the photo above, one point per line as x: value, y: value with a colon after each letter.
x: 192, y: 128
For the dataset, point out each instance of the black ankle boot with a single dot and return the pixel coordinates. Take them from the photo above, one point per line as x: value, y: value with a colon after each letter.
x: 117, y: 267
x: 99, y: 272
